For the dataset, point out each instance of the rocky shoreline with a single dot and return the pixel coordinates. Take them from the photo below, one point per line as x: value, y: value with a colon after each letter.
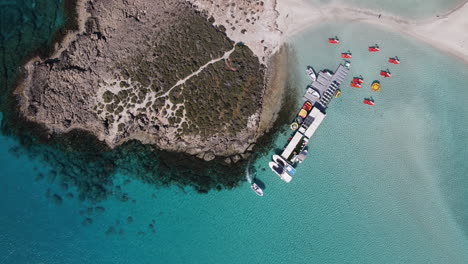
x: 78, y: 158
x: 98, y: 83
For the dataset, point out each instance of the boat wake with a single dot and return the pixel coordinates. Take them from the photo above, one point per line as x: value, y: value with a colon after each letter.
x: 248, y: 177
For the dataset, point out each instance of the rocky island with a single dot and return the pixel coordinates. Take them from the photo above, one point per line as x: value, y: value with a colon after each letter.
x: 167, y: 73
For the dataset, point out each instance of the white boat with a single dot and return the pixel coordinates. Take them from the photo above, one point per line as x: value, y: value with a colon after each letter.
x: 279, y: 171
x: 302, y: 156
x: 310, y: 71
x: 313, y: 92
x: 256, y: 189
x: 287, y: 167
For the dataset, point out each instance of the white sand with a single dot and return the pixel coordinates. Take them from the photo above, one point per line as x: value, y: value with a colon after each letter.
x: 448, y: 32
x: 278, y: 20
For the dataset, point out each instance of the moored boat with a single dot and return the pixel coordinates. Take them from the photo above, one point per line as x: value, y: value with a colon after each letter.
x: 302, y: 156
x: 334, y: 40
x: 256, y: 189
x: 355, y: 85
x: 313, y: 92
x: 346, y: 55
x: 374, y: 48
x: 310, y: 71
x: 394, y: 60
x: 368, y: 101
x: 358, y: 80
x: 280, y: 171
x: 385, y: 74
x: 283, y: 163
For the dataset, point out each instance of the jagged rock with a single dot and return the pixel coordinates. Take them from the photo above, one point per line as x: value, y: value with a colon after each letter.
x: 56, y: 199
x: 209, y: 156
x: 236, y: 158
x: 250, y: 148
x: 200, y: 155
x: 227, y: 160
x: 246, y: 155
x: 69, y: 90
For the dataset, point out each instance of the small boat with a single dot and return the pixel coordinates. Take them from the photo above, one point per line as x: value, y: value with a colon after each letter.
x: 334, y: 40
x: 374, y: 48
x: 256, y: 189
x: 358, y: 80
x: 385, y: 74
x: 279, y: 171
x: 394, y: 60
x: 280, y: 161
x: 347, y: 64
x: 310, y: 71
x: 346, y: 55
x: 302, y: 156
x: 375, y: 86
x: 313, y: 92
x: 355, y: 85
x: 368, y: 101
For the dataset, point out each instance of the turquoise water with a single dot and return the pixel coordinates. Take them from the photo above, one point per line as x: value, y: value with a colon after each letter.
x: 413, y: 9
x: 383, y: 184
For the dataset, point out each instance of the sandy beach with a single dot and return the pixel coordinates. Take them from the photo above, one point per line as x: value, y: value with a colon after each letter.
x: 446, y: 32
x: 276, y: 21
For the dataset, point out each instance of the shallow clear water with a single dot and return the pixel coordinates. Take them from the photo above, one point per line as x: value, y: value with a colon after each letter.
x: 413, y: 9
x: 382, y: 184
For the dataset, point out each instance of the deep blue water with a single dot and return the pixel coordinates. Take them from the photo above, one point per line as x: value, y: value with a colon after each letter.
x: 382, y: 185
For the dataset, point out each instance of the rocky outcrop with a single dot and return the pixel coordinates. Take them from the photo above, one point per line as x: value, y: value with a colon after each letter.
x: 156, y: 71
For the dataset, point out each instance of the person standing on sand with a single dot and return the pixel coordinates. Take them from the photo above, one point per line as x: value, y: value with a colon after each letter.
x: 380, y: 15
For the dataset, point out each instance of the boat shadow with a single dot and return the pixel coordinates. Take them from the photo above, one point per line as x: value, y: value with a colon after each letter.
x: 260, y: 183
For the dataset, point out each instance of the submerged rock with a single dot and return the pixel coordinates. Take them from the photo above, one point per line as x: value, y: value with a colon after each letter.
x: 64, y: 186
x: 129, y: 220
x: 124, y: 197
x: 56, y: 199
x: 110, y: 231
x: 99, y: 209
x: 39, y: 177
x: 51, y: 178
x: 87, y: 221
